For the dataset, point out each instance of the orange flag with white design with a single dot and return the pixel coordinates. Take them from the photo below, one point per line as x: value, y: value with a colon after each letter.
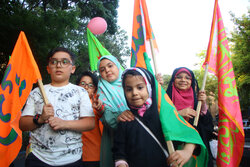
x: 20, y: 75
x: 231, y: 134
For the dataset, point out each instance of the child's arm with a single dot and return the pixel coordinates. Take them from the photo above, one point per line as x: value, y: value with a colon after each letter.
x: 26, y: 123
x: 180, y: 157
x: 83, y: 124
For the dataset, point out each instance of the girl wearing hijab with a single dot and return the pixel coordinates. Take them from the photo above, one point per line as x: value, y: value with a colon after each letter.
x: 133, y: 144
x: 183, y: 90
x: 115, y: 106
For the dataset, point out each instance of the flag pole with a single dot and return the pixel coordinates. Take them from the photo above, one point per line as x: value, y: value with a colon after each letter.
x: 170, y: 147
x: 41, y: 87
x: 198, y: 109
x: 170, y: 144
x: 153, y: 55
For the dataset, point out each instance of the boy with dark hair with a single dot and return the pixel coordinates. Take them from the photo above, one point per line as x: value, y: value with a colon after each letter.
x: 55, y: 138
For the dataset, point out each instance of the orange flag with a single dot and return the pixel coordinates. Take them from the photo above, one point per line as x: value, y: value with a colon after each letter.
x: 21, y: 73
x: 231, y: 134
x: 142, y: 32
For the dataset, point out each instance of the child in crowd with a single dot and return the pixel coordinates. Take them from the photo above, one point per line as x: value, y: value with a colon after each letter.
x: 91, y: 139
x: 55, y: 138
x: 133, y: 144
x: 115, y: 107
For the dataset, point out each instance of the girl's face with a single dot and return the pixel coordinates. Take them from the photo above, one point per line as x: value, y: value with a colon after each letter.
x: 87, y: 83
x: 135, y: 90
x: 108, y: 70
x: 182, y: 81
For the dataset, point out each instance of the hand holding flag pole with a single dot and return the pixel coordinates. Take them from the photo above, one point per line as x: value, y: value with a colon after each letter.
x: 230, y: 124
x: 207, y: 63
x: 198, y: 109
x: 149, y: 35
x: 140, y: 51
x: 21, y: 73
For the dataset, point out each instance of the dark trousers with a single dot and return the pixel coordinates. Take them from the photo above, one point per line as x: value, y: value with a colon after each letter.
x: 33, y: 161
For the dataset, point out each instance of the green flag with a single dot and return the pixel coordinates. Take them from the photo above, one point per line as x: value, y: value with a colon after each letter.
x: 174, y: 125
x: 96, y: 50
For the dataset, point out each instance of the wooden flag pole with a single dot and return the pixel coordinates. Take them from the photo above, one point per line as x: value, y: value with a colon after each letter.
x: 169, y: 143
x: 198, y: 109
x: 153, y: 55
x: 40, y: 84
x: 170, y: 147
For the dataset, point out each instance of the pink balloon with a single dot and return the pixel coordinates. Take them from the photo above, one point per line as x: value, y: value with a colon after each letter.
x: 97, y: 25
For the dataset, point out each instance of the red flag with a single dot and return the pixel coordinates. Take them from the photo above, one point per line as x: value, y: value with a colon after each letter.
x: 142, y: 32
x: 231, y: 134
x: 21, y: 73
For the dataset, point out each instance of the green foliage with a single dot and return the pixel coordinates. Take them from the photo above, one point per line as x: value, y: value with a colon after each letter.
x: 166, y: 80
x: 241, y: 58
x: 49, y: 24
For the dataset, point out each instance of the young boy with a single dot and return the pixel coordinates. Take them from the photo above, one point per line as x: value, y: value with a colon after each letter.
x: 55, y: 138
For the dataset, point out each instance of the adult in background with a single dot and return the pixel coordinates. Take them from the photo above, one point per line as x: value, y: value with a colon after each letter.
x: 184, y: 91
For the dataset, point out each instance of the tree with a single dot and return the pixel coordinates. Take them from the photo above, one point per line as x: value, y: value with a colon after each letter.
x: 241, y: 58
x: 49, y: 24
x: 166, y: 80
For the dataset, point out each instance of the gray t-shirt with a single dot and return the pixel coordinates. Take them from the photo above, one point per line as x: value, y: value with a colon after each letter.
x: 60, y: 147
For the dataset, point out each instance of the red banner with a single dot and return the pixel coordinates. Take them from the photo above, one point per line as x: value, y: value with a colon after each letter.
x: 21, y: 73
x: 231, y: 134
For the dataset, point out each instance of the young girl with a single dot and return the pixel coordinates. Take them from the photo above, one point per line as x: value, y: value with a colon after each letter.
x: 183, y: 90
x: 133, y: 145
x: 115, y: 106
x: 91, y: 139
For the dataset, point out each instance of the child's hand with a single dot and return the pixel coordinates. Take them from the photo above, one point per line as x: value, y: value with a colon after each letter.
x: 48, y: 111
x: 187, y: 112
x: 180, y: 157
x: 56, y: 123
x: 96, y: 102
x: 126, y: 116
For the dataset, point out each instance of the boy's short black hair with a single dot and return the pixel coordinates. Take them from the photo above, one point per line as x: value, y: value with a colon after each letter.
x: 93, y: 76
x: 61, y: 49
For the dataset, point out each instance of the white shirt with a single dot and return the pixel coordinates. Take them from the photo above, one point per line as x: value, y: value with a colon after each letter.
x: 60, y: 147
